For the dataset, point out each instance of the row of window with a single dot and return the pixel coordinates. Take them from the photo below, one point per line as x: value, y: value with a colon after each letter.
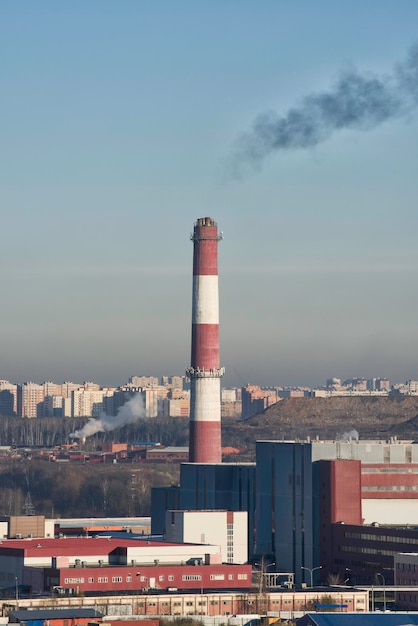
x: 214, y: 577
x: 410, y: 582
x: 390, y: 488
x: 101, y: 579
x: 357, y: 549
x: 388, y: 470
x: 119, y: 579
x: 406, y: 567
x: 145, y: 579
x: 74, y: 581
x: 370, y: 537
x: 407, y: 597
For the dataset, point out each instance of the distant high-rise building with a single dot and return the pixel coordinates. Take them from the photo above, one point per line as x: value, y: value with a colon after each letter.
x: 8, y: 398
x: 382, y: 384
x: 144, y: 381
x: 30, y: 397
x: 88, y: 403
x: 255, y: 400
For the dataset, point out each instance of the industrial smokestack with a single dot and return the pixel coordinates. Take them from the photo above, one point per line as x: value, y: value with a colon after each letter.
x: 205, y: 372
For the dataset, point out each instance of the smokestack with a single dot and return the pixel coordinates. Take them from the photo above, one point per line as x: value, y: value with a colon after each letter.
x: 205, y: 372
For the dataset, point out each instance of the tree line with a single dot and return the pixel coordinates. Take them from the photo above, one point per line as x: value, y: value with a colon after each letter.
x: 47, y: 432
x: 70, y: 490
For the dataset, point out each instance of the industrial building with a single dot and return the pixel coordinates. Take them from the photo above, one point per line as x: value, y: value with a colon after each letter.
x: 214, y: 604
x: 308, y: 502
x: 406, y: 573
x: 216, y: 486
x: 228, y: 529
x: 94, y: 565
x: 284, y: 505
x: 21, y: 526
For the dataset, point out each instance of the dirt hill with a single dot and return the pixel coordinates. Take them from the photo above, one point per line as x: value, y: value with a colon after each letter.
x: 327, y: 418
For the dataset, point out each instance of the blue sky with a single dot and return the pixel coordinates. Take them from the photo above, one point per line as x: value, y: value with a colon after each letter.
x: 119, y: 124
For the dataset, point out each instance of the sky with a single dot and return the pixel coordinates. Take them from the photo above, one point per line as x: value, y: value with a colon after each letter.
x: 123, y: 122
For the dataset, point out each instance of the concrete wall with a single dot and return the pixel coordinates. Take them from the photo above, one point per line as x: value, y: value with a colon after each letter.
x: 390, y: 511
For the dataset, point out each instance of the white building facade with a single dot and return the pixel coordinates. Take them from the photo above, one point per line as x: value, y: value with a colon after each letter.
x: 228, y: 529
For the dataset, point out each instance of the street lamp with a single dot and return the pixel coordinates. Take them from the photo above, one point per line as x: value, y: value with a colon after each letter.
x: 311, y: 570
x: 143, y: 579
x: 262, y: 573
x: 137, y: 597
x: 17, y: 593
x: 384, y: 589
x: 347, y: 569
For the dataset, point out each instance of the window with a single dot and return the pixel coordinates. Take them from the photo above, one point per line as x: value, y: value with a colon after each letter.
x: 129, y: 579
x: 217, y: 576
x: 116, y: 579
x: 171, y: 578
x: 73, y: 581
x: 102, y: 579
x: 242, y: 576
x: 191, y: 577
x: 161, y: 578
x: 91, y: 580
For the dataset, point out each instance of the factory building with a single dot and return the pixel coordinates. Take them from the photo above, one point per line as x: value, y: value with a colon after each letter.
x: 218, y: 486
x: 389, y: 471
x: 220, y: 605
x: 105, y: 564
x: 285, y: 505
x: 406, y: 573
x: 141, y: 579
x: 22, y: 526
x: 309, y: 502
x: 228, y: 529
x: 299, y: 496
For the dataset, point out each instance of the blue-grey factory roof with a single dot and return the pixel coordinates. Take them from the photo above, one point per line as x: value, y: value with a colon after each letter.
x: 44, y: 614
x: 359, y: 619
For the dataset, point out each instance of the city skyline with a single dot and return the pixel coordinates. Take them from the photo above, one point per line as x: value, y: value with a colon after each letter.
x: 119, y: 123
x: 152, y: 380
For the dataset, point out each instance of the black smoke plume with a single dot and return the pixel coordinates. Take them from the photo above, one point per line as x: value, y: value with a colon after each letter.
x: 356, y: 101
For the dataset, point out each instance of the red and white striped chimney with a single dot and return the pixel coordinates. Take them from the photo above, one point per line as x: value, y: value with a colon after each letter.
x: 205, y: 372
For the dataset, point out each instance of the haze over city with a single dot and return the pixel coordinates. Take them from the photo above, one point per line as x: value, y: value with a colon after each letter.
x: 125, y: 122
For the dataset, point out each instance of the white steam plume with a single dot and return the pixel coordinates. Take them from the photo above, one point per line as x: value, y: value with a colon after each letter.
x: 127, y: 414
x: 352, y: 434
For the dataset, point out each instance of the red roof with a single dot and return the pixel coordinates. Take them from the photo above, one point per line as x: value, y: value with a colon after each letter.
x: 68, y: 546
